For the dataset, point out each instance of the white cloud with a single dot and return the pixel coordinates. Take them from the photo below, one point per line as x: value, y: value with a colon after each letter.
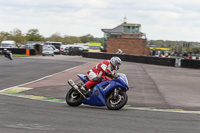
x: 160, y: 19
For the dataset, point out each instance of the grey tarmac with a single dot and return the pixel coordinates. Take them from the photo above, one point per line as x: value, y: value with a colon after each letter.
x: 151, y: 86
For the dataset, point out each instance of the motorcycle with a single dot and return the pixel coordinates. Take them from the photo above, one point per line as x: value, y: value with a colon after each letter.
x: 109, y: 92
x: 8, y: 54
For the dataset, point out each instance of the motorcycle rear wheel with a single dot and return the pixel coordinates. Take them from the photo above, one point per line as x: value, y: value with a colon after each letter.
x: 73, y: 98
x: 118, y: 102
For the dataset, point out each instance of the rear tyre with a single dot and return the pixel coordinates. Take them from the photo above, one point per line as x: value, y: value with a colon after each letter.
x: 118, y: 102
x: 73, y: 98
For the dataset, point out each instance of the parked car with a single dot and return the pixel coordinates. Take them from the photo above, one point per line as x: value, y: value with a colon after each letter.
x: 62, y: 48
x: 47, y: 51
x: 73, y: 51
x: 66, y: 51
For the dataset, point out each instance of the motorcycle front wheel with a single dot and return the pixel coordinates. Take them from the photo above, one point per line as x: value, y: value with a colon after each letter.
x: 118, y: 102
x: 73, y: 98
x: 10, y: 56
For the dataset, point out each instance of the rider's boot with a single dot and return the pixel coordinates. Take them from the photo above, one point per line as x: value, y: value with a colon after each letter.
x: 89, y: 92
x: 85, y: 90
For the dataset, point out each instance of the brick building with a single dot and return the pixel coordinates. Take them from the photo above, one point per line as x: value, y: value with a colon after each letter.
x: 126, y: 37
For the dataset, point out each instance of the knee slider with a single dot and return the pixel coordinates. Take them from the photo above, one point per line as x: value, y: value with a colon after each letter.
x: 95, y: 79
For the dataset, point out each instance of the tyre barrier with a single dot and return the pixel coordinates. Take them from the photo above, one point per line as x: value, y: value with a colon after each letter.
x: 188, y: 63
x: 164, y: 61
x: 132, y: 58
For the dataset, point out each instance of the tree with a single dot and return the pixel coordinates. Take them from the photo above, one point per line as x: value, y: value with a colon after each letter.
x: 71, y: 39
x: 87, y: 38
x: 3, y: 35
x: 16, y: 35
x: 33, y: 35
x: 56, y: 37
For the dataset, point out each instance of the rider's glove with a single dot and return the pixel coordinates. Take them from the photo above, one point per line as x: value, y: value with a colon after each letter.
x: 109, y: 74
x: 115, y: 76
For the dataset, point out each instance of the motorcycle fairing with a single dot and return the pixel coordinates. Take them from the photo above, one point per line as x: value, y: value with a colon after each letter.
x: 96, y: 98
x: 83, y: 77
x: 99, y: 93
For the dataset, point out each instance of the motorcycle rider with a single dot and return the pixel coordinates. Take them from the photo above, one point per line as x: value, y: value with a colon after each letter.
x: 102, y: 69
x: 7, y: 53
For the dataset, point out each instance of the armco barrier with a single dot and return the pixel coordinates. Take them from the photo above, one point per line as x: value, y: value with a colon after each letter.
x: 187, y: 63
x: 133, y: 58
x: 20, y: 51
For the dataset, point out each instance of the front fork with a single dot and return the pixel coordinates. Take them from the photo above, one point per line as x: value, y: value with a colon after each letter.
x: 116, y: 93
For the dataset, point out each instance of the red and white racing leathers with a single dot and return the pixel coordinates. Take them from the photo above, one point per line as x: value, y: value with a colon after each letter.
x: 98, y: 71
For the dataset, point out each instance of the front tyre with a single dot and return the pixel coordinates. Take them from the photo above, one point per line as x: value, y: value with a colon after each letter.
x: 116, y: 103
x: 73, y: 98
x: 10, y: 56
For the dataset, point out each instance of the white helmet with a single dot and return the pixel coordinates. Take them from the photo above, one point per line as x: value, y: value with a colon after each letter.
x: 116, y: 62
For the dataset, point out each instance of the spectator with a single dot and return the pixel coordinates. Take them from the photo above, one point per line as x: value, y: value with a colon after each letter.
x: 153, y: 52
x: 185, y: 54
x: 158, y: 53
x: 119, y: 51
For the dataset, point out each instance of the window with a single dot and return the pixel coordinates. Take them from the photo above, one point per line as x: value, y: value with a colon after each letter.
x: 81, y: 49
x: 105, y: 35
x: 127, y: 29
x: 136, y: 29
x: 48, y: 49
x: 133, y: 29
x: 115, y: 35
x: 94, y: 47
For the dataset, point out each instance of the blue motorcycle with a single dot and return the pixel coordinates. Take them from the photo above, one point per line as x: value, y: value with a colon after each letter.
x: 110, y: 93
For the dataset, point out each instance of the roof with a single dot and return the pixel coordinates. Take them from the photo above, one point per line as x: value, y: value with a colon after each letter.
x: 8, y: 42
x: 34, y: 43
x: 119, y: 28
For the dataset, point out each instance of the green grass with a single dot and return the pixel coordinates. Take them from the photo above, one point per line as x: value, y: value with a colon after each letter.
x: 22, y: 55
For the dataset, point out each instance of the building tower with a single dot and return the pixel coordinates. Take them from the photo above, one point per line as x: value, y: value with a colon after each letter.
x: 126, y: 37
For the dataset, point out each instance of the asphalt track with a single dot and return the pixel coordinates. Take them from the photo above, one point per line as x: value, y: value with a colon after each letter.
x: 161, y: 99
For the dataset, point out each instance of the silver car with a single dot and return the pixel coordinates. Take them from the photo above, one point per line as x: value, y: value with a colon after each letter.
x: 47, y: 51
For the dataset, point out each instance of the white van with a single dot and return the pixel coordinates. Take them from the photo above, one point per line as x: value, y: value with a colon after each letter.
x: 8, y: 44
x: 56, y: 44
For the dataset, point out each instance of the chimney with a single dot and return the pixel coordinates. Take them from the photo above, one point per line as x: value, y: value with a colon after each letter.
x: 125, y: 19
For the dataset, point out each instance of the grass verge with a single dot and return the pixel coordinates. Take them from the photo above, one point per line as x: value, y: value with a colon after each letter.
x: 22, y: 55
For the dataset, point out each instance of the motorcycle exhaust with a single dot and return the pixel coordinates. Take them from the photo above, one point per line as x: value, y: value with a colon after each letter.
x: 73, y: 85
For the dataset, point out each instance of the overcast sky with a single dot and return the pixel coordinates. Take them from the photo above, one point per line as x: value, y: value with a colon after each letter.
x: 177, y: 20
